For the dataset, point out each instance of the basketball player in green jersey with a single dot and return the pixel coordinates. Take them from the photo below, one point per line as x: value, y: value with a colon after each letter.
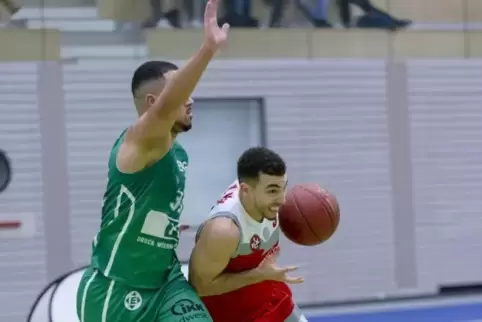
x: 134, y: 274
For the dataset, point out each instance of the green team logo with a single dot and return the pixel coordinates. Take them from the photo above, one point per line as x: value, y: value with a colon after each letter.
x: 133, y: 301
x: 159, y: 229
x: 160, y: 225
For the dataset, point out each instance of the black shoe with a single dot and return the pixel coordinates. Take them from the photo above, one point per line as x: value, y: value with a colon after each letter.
x: 151, y: 23
x: 239, y: 21
x: 372, y: 20
x: 403, y: 23
x: 321, y: 23
x: 174, y: 18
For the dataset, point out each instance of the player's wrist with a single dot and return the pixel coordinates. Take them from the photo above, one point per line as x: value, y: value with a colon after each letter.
x: 209, y: 48
x: 259, y: 275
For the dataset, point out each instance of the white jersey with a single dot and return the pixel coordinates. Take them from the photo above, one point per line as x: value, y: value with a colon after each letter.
x: 258, y: 239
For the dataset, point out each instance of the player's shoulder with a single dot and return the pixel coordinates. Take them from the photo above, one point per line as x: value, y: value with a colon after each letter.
x: 220, y: 234
x: 220, y: 228
x: 179, y: 149
x: 155, y: 148
x: 119, y: 140
x: 116, y: 148
x: 228, y: 202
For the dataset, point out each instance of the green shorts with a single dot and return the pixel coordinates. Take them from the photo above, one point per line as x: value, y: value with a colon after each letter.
x: 101, y: 299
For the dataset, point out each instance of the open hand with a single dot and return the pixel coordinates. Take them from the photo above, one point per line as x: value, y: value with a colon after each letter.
x: 271, y: 271
x: 214, y: 36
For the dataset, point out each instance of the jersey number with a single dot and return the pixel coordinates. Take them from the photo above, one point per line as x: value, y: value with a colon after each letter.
x: 177, y: 205
x: 228, y: 194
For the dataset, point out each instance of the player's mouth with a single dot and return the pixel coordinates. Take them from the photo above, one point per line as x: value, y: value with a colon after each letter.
x: 274, y: 209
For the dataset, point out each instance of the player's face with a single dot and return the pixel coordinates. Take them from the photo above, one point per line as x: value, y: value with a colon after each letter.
x: 270, y: 193
x: 184, y: 120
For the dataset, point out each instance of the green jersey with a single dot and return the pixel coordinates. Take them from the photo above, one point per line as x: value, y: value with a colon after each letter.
x: 140, y: 220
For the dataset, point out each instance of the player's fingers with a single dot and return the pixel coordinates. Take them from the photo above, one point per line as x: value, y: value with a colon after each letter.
x: 214, y: 6
x: 208, y: 12
x: 288, y: 269
x: 225, y: 28
x: 294, y: 280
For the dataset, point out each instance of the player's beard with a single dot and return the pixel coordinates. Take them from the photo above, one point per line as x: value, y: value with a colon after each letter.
x: 182, y: 127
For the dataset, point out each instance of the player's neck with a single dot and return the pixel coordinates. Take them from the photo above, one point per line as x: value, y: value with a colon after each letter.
x: 250, y: 211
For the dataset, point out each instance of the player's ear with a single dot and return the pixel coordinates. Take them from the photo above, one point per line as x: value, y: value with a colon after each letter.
x: 243, y: 187
x: 150, y: 99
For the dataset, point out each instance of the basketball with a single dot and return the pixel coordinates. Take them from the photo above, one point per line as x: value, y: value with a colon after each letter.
x: 310, y: 215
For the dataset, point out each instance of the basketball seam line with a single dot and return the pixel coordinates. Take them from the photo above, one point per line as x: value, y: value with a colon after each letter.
x: 301, y: 213
x: 322, y: 201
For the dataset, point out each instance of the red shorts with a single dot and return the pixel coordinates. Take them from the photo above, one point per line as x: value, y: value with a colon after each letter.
x: 263, y: 302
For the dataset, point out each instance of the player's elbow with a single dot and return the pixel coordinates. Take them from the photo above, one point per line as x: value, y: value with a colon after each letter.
x: 207, y: 289
x: 201, y: 284
x: 201, y: 280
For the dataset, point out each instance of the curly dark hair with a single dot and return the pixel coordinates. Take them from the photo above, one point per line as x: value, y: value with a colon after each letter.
x: 259, y: 160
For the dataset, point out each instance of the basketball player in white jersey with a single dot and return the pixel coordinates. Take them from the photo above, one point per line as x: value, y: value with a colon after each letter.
x: 233, y: 264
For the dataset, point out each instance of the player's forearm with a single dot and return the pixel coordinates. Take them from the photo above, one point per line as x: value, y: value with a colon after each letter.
x: 184, y: 81
x: 228, y: 282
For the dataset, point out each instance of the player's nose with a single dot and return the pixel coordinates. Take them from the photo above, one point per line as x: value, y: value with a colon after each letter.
x: 281, y: 200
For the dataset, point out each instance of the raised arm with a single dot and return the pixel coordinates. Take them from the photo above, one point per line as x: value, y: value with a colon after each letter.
x: 216, y: 244
x: 159, y: 118
x: 152, y: 131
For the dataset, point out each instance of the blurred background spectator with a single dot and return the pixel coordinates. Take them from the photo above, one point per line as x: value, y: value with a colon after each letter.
x: 165, y: 16
x: 372, y: 16
x: 239, y: 13
x: 7, y: 9
x: 317, y: 14
x: 10, y: 5
x: 315, y: 11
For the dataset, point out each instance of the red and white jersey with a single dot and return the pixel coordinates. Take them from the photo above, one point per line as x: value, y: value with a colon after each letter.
x: 258, y: 240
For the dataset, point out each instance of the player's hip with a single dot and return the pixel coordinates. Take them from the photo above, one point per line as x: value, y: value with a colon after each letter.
x: 152, y: 272
x: 101, y: 299
x: 252, y: 304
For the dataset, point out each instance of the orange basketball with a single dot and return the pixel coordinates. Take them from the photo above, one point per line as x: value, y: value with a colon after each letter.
x: 310, y: 215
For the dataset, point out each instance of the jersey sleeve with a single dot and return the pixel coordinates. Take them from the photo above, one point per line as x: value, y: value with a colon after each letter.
x: 226, y: 214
